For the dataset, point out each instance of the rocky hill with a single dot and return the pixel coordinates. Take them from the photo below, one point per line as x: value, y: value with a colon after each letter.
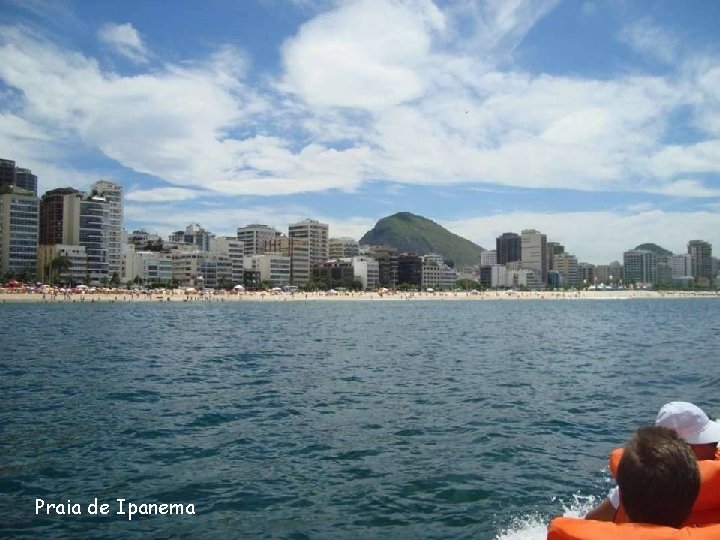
x: 408, y: 232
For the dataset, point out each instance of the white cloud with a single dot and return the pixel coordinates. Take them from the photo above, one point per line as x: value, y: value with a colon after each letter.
x: 161, y: 194
x: 650, y: 40
x: 366, y: 54
x: 125, y: 40
x: 371, y: 90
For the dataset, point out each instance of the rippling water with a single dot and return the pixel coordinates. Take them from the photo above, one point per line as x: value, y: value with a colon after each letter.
x: 334, y: 419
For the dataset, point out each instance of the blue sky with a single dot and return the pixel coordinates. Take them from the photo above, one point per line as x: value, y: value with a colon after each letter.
x: 597, y: 123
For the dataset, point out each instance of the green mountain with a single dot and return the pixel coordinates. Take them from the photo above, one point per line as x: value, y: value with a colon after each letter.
x: 407, y: 232
x: 657, y: 250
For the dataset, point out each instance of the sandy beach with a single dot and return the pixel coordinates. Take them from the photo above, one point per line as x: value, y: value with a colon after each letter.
x: 10, y: 295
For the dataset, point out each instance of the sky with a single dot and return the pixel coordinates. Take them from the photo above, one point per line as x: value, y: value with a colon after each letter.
x: 596, y: 123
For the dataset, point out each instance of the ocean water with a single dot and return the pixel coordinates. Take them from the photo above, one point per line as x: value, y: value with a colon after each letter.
x: 334, y: 419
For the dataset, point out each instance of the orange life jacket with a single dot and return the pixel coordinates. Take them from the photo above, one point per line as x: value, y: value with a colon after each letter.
x: 565, y: 528
x: 707, y: 505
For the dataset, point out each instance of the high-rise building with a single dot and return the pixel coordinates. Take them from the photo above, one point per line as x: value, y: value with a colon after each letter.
x: 298, y: 249
x: 640, y: 267
x: 93, y: 235
x: 317, y: 235
x: 60, y: 217
x: 552, y: 249
x: 702, y: 263
x: 113, y: 194
x: 11, y: 175
x: 488, y: 257
x: 253, y: 236
x: 566, y: 266
x: 508, y: 248
x: 387, y: 258
x: 409, y: 269
x: 342, y: 247
x: 231, y: 249
x: 533, y: 251
x: 19, y: 223
x: 194, y: 237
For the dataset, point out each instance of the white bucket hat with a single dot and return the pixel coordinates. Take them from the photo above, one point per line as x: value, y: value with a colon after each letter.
x: 689, y: 421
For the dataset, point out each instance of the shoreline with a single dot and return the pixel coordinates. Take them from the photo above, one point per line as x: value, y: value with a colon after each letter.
x: 181, y: 296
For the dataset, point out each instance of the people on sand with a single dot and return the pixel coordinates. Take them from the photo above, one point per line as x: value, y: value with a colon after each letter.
x: 692, y: 425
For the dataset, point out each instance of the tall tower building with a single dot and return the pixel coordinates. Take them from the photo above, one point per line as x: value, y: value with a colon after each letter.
x: 640, y: 266
x: 317, y: 235
x: 19, y: 217
x: 533, y: 250
x: 113, y: 194
x: 254, y: 236
x: 11, y: 175
x: 298, y: 249
x: 508, y: 248
x: 702, y: 262
x: 552, y: 249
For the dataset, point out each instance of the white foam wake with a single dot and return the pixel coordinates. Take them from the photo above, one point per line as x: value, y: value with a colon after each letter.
x: 533, y: 526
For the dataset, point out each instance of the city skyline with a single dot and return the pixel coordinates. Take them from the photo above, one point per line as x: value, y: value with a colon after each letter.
x: 597, y: 124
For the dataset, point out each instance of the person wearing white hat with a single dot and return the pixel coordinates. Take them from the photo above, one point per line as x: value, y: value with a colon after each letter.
x: 692, y: 424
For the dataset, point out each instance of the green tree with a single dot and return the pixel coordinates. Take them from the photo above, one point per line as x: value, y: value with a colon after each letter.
x: 58, y: 266
x: 115, y: 280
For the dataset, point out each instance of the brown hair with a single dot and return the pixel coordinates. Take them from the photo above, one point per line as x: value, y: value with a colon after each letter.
x: 658, y: 477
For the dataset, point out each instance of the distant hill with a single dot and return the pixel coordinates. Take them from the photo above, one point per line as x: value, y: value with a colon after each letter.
x: 657, y: 250
x: 408, y: 232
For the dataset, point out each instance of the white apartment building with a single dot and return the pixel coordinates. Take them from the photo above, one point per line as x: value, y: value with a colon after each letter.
x: 533, y: 252
x: 436, y: 274
x: 488, y: 257
x: 367, y: 271
x: 149, y: 267
x: 317, y: 235
x: 298, y: 249
x: 499, y: 277
x: 273, y: 267
x: 186, y: 267
x: 75, y: 273
x: 253, y: 236
x: 113, y: 194
x: 233, y: 250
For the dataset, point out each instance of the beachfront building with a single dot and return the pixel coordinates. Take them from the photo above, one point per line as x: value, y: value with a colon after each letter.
x: 113, y: 194
x: 523, y: 278
x: 533, y: 252
x: 186, y: 267
x: 552, y: 249
x: 273, y: 268
x: 147, y: 267
x: 335, y: 273
x: 609, y: 274
x: 488, y: 257
x: 93, y: 235
x: 231, y: 249
x: 316, y: 234
x: 342, y: 248
x: 586, y: 274
x: 387, y: 258
x: 702, y: 264
x: 366, y: 270
x: 566, y: 265
x: 508, y: 247
x: 144, y: 241
x: 435, y: 274
x: 194, y: 237
x: 253, y: 237
x: 12, y: 175
x: 298, y: 249
x: 409, y: 270
x: 71, y: 272
x: 217, y: 273
x: 640, y: 267
x: 19, y: 224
